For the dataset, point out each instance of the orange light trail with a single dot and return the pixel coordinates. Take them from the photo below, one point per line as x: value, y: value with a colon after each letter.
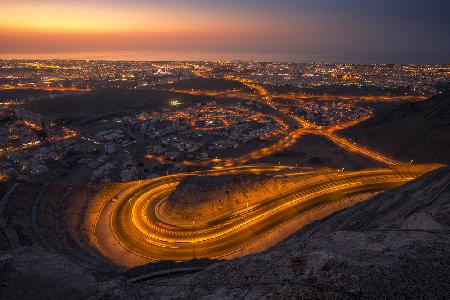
x: 138, y: 225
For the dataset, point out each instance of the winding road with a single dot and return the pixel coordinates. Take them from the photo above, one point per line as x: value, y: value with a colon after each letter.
x: 132, y: 227
x: 301, y: 128
x: 138, y: 229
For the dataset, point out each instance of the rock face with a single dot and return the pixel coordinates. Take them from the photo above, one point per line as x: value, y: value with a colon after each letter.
x: 202, y: 198
x: 392, y: 246
x: 418, y: 131
x: 34, y: 273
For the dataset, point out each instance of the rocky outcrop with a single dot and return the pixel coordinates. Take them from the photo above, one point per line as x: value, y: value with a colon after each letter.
x: 201, y: 198
x: 411, y: 131
x: 392, y: 246
x: 34, y: 273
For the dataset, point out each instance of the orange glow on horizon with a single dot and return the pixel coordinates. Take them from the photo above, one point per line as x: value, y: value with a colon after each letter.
x: 91, y: 19
x: 55, y: 26
x: 96, y: 18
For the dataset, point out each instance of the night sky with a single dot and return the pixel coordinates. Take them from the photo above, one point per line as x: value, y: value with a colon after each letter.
x: 403, y: 30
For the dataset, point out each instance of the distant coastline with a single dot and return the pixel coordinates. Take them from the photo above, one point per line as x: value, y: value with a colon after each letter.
x: 297, y: 57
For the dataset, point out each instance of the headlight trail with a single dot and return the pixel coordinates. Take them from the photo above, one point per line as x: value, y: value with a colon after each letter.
x: 139, y: 225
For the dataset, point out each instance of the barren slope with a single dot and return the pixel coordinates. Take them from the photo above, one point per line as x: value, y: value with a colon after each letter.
x: 418, y: 131
x: 394, y: 245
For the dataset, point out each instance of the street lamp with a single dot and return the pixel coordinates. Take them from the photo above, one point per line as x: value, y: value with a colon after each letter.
x: 193, y: 231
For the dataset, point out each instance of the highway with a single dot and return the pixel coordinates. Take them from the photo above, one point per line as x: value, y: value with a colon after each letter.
x: 139, y: 224
x: 294, y: 133
x: 134, y: 227
x: 43, y: 88
x: 310, y: 128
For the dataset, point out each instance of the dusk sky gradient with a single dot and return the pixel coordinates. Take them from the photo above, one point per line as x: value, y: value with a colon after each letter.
x: 407, y: 30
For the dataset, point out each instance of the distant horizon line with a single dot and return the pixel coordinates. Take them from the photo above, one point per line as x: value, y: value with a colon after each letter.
x: 216, y: 56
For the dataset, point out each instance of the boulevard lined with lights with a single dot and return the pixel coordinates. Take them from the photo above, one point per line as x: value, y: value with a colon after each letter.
x: 307, y: 128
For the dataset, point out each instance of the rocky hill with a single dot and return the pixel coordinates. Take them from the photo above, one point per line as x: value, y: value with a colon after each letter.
x: 394, y: 245
x: 417, y: 131
x: 204, y: 197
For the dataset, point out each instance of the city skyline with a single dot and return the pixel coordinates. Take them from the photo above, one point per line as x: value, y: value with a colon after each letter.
x: 348, y: 31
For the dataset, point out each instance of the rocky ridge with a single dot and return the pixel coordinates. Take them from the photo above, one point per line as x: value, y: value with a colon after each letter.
x: 394, y: 245
x: 204, y: 197
x: 417, y: 131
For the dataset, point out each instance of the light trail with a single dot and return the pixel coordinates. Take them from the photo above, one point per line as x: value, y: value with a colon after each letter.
x: 44, y: 88
x: 384, y: 98
x: 305, y: 127
x: 140, y: 226
x: 327, y: 132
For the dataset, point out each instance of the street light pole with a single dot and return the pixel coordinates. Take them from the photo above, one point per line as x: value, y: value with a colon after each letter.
x: 193, y: 231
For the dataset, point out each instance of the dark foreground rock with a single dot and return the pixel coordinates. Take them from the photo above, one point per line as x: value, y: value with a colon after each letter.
x: 395, y: 246
x: 392, y: 246
x: 34, y: 273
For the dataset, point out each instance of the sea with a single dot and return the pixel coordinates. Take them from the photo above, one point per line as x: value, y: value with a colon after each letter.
x: 295, y: 57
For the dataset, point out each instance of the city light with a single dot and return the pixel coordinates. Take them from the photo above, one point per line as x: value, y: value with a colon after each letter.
x: 175, y: 103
